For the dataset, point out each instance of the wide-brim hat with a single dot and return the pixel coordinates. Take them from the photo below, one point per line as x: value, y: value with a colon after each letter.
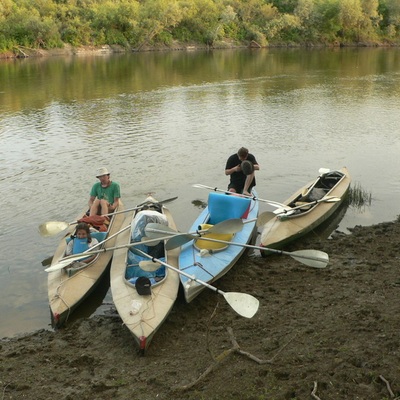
x: 102, y: 171
x: 247, y: 167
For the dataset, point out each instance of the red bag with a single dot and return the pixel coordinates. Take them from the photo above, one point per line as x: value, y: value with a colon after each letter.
x: 97, y: 221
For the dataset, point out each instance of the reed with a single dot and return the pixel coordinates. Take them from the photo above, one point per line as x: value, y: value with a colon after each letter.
x: 359, y: 197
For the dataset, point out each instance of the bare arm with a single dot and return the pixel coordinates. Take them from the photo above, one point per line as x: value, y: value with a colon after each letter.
x: 114, y: 205
x: 91, y: 200
x: 232, y: 170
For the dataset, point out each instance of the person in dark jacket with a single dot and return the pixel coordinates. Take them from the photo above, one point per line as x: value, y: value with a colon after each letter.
x: 241, y: 167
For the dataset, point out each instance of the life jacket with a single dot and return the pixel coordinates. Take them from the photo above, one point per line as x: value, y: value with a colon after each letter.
x: 80, y: 245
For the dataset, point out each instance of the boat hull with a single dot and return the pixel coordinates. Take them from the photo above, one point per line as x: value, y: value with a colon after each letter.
x: 282, y: 230
x: 65, y: 292
x: 209, y: 268
x: 143, y: 314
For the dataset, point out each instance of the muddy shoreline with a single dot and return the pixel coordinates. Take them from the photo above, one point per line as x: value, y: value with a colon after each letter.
x: 331, y: 333
x: 68, y: 50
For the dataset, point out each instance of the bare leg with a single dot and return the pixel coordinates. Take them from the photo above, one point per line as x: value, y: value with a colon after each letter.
x: 99, y: 207
x: 94, y: 209
x: 247, y: 184
x: 103, y: 207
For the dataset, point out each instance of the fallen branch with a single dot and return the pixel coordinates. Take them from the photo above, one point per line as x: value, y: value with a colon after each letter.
x: 4, y: 390
x: 214, y: 313
x: 387, y: 386
x: 225, y: 354
x: 18, y: 49
x: 314, y: 391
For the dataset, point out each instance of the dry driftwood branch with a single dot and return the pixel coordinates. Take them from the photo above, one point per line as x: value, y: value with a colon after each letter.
x: 257, y: 360
x: 4, y: 390
x: 314, y: 391
x: 387, y: 386
x: 19, y: 50
x: 225, y: 354
x: 214, y: 313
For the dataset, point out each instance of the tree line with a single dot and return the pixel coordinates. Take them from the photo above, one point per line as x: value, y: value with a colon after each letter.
x: 50, y: 24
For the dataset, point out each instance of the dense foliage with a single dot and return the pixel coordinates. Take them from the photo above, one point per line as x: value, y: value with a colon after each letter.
x: 135, y: 23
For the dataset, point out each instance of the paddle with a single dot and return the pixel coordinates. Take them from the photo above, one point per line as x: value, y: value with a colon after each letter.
x: 270, y: 202
x: 228, y: 226
x: 244, y: 304
x: 108, y: 238
x: 76, y: 257
x: 268, y: 215
x: 311, y: 258
x: 326, y: 199
x: 51, y: 228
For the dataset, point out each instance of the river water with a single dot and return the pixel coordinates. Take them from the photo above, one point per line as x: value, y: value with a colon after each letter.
x: 161, y: 122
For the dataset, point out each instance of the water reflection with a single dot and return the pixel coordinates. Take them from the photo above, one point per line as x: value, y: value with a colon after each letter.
x: 162, y: 122
x: 331, y: 225
x: 358, y: 197
x: 28, y: 84
x: 199, y: 204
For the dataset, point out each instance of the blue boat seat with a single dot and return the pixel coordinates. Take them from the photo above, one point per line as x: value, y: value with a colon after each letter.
x: 133, y: 271
x: 100, y: 236
x: 222, y: 207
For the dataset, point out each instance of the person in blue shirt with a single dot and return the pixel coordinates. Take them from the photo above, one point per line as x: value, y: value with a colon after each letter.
x: 104, y: 195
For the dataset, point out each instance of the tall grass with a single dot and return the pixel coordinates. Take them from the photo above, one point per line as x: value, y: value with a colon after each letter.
x: 358, y: 197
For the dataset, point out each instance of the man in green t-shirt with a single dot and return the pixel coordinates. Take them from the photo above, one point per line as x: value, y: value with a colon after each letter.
x: 105, y: 194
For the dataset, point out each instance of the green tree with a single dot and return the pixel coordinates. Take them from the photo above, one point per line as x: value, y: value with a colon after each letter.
x: 306, y: 12
x: 326, y: 20
x: 6, y: 7
x: 370, y: 25
x: 285, y: 6
x: 157, y: 18
x: 26, y: 27
x: 50, y: 23
x: 351, y: 18
x: 74, y: 22
x: 253, y: 17
x: 116, y: 21
x: 390, y: 11
x: 286, y: 28
x: 201, y: 19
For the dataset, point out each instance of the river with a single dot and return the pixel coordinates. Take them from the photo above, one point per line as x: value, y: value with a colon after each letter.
x: 161, y: 122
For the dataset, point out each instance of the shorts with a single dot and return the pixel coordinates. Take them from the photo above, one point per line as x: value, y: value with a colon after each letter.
x: 238, y: 188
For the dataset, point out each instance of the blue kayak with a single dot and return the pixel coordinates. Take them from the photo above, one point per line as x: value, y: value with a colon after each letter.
x: 206, y: 260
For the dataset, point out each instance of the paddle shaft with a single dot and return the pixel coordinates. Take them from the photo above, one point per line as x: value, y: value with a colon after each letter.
x: 244, y: 304
x: 90, y: 252
x: 193, y: 278
x: 329, y: 199
x: 190, y: 237
x: 138, y: 207
x: 233, y: 225
x: 126, y: 227
x: 270, y: 202
x: 108, y: 238
x: 268, y: 215
x: 59, y: 226
x: 76, y: 257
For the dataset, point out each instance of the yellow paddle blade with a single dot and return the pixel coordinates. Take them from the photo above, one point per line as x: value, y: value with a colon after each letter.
x: 52, y: 228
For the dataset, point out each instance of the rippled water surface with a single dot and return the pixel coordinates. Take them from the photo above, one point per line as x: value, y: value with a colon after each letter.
x: 162, y: 122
